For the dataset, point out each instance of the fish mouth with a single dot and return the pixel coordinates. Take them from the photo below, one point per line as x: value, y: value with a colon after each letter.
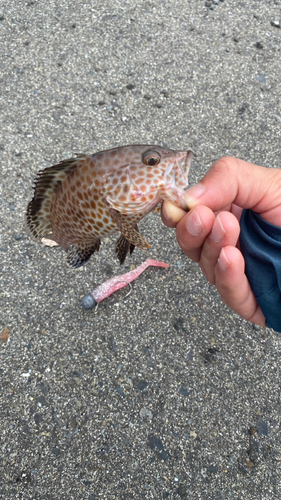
x: 176, y: 178
x: 181, y: 159
x: 184, y: 159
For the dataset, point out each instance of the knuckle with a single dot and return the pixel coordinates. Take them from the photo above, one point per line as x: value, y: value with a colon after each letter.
x: 225, y: 165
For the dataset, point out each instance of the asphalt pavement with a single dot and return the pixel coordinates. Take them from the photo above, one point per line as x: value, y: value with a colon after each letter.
x: 165, y: 393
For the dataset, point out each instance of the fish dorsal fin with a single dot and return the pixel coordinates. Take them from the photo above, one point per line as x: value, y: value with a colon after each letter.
x: 47, y: 182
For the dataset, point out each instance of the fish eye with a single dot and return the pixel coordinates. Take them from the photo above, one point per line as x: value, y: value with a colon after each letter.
x: 151, y: 158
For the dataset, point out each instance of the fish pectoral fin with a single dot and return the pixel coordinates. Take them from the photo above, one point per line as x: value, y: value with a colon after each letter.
x: 128, y: 231
x: 79, y: 253
x: 123, y: 246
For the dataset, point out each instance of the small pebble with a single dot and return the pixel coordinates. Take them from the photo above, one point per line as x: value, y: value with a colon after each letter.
x: 212, y: 469
x: 4, y: 336
x: 142, y: 385
x: 88, y: 302
x: 155, y: 442
x: 250, y: 464
x: 262, y: 427
x: 184, y: 392
x: 120, y: 390
x: 145, y: 413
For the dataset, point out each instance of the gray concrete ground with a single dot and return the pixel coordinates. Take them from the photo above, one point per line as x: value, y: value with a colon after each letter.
x: 166, y: 393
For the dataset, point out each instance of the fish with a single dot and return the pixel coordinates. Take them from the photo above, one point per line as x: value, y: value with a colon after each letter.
x: 83, y: 199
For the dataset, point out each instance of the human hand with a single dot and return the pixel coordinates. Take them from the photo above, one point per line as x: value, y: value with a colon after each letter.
x: 209, y: 232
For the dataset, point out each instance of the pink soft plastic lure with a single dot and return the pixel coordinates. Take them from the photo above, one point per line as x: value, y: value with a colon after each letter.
x: 110, y: 286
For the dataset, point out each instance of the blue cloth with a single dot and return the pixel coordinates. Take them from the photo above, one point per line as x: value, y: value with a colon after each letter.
x: 260, y: 244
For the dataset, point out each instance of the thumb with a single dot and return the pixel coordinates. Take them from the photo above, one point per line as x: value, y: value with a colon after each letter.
x: 231, y: 180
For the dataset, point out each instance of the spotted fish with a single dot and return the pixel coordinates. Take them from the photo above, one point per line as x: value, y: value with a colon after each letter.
x: 83, y: 199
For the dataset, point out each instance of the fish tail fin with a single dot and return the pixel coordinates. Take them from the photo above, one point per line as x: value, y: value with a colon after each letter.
x: 79, y: 253
x: 46, y: 183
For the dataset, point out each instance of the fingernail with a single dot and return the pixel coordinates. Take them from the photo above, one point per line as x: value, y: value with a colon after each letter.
x: 223, y: 262
x: 194, y: 224
x: 218, y: 232
x: 192, y: 194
